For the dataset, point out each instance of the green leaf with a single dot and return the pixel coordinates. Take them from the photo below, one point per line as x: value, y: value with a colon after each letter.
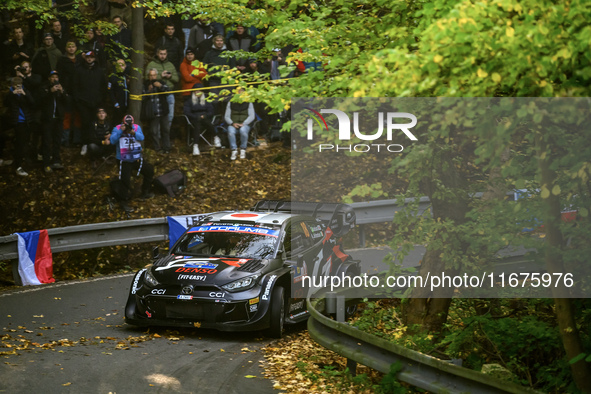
x: 577, y: 359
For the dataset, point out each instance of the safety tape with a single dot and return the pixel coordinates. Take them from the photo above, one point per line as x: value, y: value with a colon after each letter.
x: 138, y: 97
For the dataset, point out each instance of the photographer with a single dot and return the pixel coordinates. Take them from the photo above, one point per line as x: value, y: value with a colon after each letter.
x: 53, y: 99
x: 20, y: 103
x: 155, y: 110
x: 126, y: 137
x: 167, y: 71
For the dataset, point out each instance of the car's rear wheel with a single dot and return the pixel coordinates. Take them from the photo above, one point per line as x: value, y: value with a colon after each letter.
x: 277, y: 312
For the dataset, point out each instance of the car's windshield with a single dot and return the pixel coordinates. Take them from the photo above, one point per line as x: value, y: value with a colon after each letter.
x: 229, y: 241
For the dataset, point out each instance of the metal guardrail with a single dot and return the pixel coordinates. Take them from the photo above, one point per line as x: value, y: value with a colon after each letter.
x: 97, y: 235
x: 88, y: 236
x: 420, y: 370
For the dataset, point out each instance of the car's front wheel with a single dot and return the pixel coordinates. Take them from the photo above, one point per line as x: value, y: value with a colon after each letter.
x: 277, y: 312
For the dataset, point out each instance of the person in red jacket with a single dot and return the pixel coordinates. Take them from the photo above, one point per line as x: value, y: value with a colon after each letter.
x: 189, y: 76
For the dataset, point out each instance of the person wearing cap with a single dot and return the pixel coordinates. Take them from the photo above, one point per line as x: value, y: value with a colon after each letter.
x: 90, y: 88
x: 200, y: 114
x: 53, y: 106
x: 97, y: 147
x: 46, y: 58
x: 190, y: 74
x: 126, y: 138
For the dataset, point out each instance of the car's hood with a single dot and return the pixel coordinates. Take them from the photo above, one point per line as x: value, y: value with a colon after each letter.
x: 204, y: 270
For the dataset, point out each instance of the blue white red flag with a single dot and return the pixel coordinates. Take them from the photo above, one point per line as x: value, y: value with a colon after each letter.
x: 178, y: 224
x: 35, y: 262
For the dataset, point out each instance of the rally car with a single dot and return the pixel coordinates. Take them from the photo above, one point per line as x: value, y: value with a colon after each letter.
x: 244, y: 270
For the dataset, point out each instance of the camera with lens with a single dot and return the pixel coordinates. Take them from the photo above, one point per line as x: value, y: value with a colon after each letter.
x: 19, y: 69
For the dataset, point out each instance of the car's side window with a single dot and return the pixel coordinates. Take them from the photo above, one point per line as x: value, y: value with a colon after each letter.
x: 297, y: 238
x: 316, y: 231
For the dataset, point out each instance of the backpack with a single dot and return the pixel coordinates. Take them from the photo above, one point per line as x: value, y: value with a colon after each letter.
x: 172, y: 182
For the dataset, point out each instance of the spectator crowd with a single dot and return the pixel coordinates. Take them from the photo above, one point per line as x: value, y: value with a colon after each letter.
x: 69, y: 91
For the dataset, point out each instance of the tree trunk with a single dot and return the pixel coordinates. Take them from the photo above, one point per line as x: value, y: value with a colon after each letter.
x: 555, y: 242
x: 428, y: 308
x: 137, y: 61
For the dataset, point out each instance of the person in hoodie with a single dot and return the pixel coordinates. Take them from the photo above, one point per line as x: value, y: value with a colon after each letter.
x: 46, y: 58
x: 172, y: 44
x: 90, y: 85
x: 53, y: 103
x: 168, y: 73
x: 200, y: 114
x: 190, y: 74
x: 20, y: 104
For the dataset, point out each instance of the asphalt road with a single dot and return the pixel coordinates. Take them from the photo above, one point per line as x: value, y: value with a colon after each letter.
x: 70, y: 338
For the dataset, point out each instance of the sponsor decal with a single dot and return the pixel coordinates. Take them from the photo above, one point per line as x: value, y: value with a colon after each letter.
x: 236, y: 263
x: 136, y: 280
x: 300, y: 272
x: 316, y: 231
x: 184, y: 297
x: 213, y: 294
x: 237, y: 229
x: 296, y: 305
x: 201, y: 264
x: 254, y: 308
x: 268, y: 288
x: 305, y: 229
x: 158, y: 291
x: 192, y: 277
x: 253, y: 301
x: 196, y: 270
x: 148, y: 314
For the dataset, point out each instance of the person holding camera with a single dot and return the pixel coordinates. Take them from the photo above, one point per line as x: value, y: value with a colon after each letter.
x: 53, y: 101
x: 168, y: 73
x: 21, y: 106
x: 155, y: 110
x: 126, y: 137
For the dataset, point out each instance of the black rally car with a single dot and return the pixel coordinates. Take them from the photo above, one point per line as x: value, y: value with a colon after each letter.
x: 244, y: 270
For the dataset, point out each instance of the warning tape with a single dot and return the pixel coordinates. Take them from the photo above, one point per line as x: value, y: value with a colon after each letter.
x: 138, y: 97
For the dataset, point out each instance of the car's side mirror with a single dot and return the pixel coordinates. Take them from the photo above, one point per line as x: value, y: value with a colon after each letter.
x: 156, y: 253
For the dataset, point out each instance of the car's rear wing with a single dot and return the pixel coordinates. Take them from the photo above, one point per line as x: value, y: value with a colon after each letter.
x: 339, y: 217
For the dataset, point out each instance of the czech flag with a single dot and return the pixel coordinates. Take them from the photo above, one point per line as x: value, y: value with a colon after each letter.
x: 35, y: 263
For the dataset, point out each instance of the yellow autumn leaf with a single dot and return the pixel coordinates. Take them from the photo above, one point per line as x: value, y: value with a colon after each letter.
x: 438, y: 58
x: 510, y: 31
x: 556, y: 190
x: 250, y: 376
x: 545, y: 192
x: 481, y: 73
x: 496, y: 77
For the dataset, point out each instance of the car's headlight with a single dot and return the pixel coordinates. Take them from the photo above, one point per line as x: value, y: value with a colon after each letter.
x: 241, y: 284
x: 149, y: 279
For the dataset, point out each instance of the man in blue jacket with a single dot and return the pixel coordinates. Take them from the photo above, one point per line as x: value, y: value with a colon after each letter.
x: 126, y: 137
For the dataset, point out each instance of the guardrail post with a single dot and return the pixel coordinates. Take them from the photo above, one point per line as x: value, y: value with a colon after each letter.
x: 361, y: 235
x: 330, y: 300
x: 341, y: 308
